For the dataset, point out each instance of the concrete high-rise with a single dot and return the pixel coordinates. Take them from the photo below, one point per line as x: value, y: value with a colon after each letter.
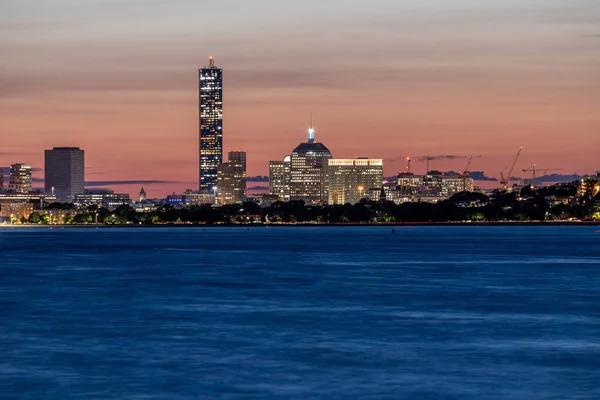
x: 308, y: 171
x: 231, y: 179
x: 20, y: 178
x: 210, y: 85
x: 64, y: 174
x: 349, y: 181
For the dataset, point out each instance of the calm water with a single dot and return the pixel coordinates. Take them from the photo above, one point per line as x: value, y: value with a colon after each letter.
x: 300, y: 313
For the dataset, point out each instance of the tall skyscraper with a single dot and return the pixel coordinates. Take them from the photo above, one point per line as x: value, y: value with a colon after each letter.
x: 20, y: 178
x: 279, y: 178
x: 231, y: 179
x: 64, y: 173
x: 349, y: 181
x: 308, y: 171
x: 210, y: 85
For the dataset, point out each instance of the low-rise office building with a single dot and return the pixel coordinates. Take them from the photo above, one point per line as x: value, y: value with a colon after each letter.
x: 349, y: 180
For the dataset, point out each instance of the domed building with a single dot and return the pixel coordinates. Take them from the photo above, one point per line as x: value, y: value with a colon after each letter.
x: 308, y: 171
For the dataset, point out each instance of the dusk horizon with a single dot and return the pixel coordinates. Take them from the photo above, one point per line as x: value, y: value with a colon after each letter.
x: 385, y: 81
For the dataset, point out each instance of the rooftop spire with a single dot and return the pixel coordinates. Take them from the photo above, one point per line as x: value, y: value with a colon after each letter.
x: 311, y: 131
x: 211, y: 62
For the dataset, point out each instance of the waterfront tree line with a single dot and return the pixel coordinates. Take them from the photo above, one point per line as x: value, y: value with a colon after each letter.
x: 563, y: 201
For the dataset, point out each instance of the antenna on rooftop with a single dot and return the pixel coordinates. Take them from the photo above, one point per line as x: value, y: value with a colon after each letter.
x: 311, y: 130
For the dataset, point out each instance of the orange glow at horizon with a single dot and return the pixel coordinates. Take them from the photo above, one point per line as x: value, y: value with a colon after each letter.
x: 452, y: 84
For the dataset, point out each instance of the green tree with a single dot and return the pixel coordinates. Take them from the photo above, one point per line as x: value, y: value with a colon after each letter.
x: 35, y: 218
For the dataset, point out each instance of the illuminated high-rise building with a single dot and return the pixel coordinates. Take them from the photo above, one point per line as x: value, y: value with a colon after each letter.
x: 64, y: 174
x: 279, y: 178
x: 231, y: 179
x: 210, y: 84
x: 349, y: 181
x: 308, y: 171
x: 20, y: 178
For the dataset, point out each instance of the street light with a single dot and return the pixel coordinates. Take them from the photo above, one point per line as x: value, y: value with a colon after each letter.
x: 360, y: 190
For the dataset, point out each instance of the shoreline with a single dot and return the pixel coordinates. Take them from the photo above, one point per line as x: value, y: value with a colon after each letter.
x: 304, y: 225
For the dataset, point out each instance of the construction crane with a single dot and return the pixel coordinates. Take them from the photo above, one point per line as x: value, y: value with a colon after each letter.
x: 533, y: 170
x: 504, y: 180
x: 465, y: 174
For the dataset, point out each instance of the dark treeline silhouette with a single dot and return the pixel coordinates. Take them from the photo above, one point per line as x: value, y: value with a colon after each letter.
x: 558, y: 202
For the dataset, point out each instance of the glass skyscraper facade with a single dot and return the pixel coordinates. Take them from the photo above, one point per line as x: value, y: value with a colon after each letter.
x: 210, y: 84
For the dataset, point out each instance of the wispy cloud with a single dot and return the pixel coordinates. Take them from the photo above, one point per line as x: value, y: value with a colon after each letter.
x: 258, y: 178
x: 443, y: 157
x: 132, y: 182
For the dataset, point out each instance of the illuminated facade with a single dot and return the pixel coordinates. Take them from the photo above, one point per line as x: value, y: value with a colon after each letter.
x: 190, y: 199
x: 409, y: 180
x: 106, y: 198
x: 231, y: 179
x: 13, y: 212
x: 349, y: 181
x: 279, y: 178
x: 64, y: 174
x: 308, y: 164
x: 142, y: 195
x: 210, y: 84
x: 20, y: 178
x: 455, y: 183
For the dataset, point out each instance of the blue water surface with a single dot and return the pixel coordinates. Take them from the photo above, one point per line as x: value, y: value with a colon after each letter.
x: 300, y: 313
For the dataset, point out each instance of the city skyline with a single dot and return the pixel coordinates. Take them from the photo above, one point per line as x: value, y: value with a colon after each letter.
x: 384, y: 82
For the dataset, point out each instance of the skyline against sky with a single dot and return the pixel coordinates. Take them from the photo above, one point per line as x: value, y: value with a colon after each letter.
x: 118, y: 78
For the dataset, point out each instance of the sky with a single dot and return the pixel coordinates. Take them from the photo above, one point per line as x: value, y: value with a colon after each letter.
x: 383, y: 78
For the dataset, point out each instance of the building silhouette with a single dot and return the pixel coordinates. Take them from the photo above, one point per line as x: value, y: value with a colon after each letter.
x: 64, y: 173
x: 231, y: 179
x: 210, y: 85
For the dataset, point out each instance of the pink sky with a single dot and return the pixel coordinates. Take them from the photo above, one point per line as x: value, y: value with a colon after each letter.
x: 388, y: 81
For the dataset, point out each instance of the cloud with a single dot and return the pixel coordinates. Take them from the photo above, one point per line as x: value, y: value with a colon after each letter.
x: 133, y: 182
x: 258, y: 178
x: 441, y: 157
x: 480, y: 176
x: 258, y: 188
